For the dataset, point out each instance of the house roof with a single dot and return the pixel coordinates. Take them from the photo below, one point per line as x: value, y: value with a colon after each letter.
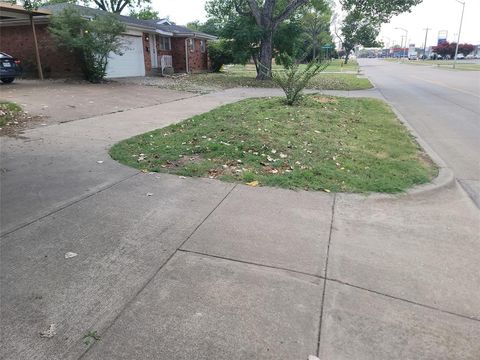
x: 162, y: 26
x: 18, y: 9
x: 14, y: 14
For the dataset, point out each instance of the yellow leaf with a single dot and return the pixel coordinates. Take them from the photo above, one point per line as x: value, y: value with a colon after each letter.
x: 326, y: 190
x: 253, y: 183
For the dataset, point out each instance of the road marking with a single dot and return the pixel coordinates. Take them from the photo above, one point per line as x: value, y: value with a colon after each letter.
x: 446, y: 86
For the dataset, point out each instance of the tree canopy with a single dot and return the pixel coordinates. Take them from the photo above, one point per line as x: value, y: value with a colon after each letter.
x: 447, y: 48
x: 380, y: 10
x: 117, y: 6
x: 364, y: 18
x: 146, y: 13
x: 262, y: 30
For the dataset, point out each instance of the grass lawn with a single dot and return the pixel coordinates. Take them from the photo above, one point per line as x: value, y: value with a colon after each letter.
x: 326, y: 143
x: 8, y: 112
x: 442, y: 64
x: 244, y: 76
x: 322, y: 81
x: 336, y: 65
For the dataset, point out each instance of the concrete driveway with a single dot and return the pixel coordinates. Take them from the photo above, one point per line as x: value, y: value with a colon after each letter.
x: 209, y: 270
x: 59, y: 101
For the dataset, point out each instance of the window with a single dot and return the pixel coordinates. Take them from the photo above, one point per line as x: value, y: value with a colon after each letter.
x: 202, y: 45
x: 191, y: 45
x: 165, y: 43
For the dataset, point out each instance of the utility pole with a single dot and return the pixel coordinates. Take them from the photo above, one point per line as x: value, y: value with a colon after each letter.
x: 406, y: 39
x: 459, y: 31
x: 425, y: 43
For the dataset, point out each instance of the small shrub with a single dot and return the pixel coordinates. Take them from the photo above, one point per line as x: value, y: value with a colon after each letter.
x: 220, y: 53
x: 92, y: 40
x: 294, y: 78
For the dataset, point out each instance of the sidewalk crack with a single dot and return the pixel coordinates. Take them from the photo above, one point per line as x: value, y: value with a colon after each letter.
x: 325, y: 274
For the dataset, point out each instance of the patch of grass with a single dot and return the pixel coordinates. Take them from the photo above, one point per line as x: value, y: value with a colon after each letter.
x: 325, y: 143
x: 323, y: 81
x: 8, y: 112
x: 336, y: 65
x: 90, y: 337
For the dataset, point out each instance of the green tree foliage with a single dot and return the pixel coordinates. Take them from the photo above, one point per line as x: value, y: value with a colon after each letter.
x: 315, y: 24
x: 220, y: 53
x: 380, y: 11
x: 145, y: 13
x: 279, y: 31
x: 256, y: 23
x: 91, y: 41
x: 358, y: 30
x: 211, y: 27
x: 117, y: 6
x: 362, y: 24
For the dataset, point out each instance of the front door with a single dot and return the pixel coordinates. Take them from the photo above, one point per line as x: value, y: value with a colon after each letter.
x: 153, y: 51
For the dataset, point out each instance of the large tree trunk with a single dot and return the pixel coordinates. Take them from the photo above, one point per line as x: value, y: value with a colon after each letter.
x: 264, y: 70
x: 265, y: 19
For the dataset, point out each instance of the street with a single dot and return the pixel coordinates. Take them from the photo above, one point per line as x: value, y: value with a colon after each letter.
x: 443, y: 106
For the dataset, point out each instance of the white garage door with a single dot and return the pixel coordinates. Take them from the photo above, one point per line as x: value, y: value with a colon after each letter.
x: 131, y: 62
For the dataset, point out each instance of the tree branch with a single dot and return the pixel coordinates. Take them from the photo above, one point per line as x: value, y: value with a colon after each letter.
x: 239, y: 9
x: 256, y: 11
x: 289, y: 9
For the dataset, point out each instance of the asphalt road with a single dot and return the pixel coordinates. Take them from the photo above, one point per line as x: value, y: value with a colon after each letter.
x: 443, y: 106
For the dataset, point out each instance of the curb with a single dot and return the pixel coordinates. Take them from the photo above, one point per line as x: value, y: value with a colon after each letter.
x: 445, y: 178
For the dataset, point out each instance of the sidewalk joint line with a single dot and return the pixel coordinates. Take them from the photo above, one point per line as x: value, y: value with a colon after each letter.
x: 251, y: 263
x: 149, y: 280
x: 325, y: 274
x: 404, y: 300
x: 67, y: 205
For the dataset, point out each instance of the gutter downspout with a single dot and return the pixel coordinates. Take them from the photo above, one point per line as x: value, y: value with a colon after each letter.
x: 186, y: 55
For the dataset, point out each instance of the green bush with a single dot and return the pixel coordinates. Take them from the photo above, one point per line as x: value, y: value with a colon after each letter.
x: 293, y: 78
x: 220, y: 53
x: 90, y: 39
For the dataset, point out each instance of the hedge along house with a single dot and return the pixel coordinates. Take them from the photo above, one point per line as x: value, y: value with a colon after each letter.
x: 150, y: 46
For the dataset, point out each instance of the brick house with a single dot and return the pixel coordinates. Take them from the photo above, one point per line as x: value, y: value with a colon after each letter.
x: 150, y: 46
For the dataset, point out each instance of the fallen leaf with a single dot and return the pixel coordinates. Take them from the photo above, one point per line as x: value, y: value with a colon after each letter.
x: 253, y: 183
x: 69, y: 255
x: 149, y: 194
x: 49, y: 333
x: 326, y: 190
x: 99, y: 161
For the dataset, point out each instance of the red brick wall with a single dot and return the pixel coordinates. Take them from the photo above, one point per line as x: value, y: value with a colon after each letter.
x: 178, y: 54
x: 197, y: 60
x: 18, y: 42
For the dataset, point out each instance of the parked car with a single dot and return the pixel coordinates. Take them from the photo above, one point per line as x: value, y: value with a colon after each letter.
x: 412, y: 57
x: 460, y: 56
x: 470, y: 57
x: 9, y: 68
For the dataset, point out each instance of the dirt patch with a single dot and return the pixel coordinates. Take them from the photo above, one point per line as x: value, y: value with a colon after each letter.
x: 325, y: 99
x: 18, y: 122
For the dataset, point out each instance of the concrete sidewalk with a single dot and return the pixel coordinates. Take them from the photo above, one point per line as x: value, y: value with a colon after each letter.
x: 210, y: 270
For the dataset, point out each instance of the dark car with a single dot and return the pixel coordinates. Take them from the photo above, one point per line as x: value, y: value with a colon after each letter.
x: 9, y: 68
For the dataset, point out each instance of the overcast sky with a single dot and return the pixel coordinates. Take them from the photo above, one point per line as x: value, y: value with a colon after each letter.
x: 435, y: 14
